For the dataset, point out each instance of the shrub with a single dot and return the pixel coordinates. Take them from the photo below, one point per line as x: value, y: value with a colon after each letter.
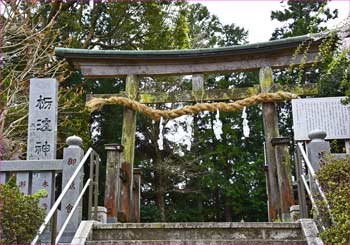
x: 21, y: 215
x: 334, y: 177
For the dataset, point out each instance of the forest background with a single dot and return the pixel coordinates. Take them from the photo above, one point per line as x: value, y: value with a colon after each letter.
x: 194, y: 177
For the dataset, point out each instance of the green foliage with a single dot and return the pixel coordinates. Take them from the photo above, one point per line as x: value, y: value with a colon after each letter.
x: 73, y: 117
x: 302, y: 17
x: 232, y: 182
x: 334, y: 177
x: 150, y: 212
x: 204, y: 26
x: 181, y: 32
x: 232, y: 35
x: 334, y: 79
x: 21, y: 214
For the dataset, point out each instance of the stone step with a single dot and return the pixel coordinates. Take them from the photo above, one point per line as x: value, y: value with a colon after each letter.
x: 212, y: 231
x: 195, y: 242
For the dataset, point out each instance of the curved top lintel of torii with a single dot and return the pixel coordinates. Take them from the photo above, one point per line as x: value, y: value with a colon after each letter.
x: 248, y: 57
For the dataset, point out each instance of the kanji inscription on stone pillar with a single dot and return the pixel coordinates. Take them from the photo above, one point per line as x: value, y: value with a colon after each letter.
x: 42, y: 134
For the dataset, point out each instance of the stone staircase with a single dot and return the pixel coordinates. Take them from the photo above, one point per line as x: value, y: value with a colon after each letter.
x: 304, y: 232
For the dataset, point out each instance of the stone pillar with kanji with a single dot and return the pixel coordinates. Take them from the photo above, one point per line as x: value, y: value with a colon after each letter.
x: 42, y: 138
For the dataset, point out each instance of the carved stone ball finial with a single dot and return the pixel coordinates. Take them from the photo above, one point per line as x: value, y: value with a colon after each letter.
x: 317, y: 135
x: 74, y: 141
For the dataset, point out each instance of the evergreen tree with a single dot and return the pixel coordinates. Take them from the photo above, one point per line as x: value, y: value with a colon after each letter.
x: 302, y: 17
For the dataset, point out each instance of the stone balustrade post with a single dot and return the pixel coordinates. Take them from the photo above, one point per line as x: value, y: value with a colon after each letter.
x: 317, y: 148
x: 2, y: 177
x: 112, y: 189
x: 72, y: 155
x: 101, y: 214
x: 295, y: 213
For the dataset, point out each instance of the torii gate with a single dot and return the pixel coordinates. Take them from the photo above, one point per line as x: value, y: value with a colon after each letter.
x: 262, y: 57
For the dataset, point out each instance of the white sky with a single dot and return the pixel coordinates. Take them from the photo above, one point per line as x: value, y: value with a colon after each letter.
x: 254, y: 16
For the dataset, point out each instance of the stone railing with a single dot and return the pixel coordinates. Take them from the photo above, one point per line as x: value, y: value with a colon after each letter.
x: 308, y: 161
x: 72, y: 156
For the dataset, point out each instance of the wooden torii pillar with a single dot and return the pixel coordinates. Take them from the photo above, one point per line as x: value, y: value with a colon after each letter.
x: 128, y: 142
x: 262, y: 57
x: 270, y: 119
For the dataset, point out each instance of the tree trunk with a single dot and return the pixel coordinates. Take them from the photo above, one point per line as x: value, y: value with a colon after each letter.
x: 160, y: 200
x: 227, y: 198
x: 198, y: 184
x: 217, y: 204
x: 228, y: 208
x: 159, y: 175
